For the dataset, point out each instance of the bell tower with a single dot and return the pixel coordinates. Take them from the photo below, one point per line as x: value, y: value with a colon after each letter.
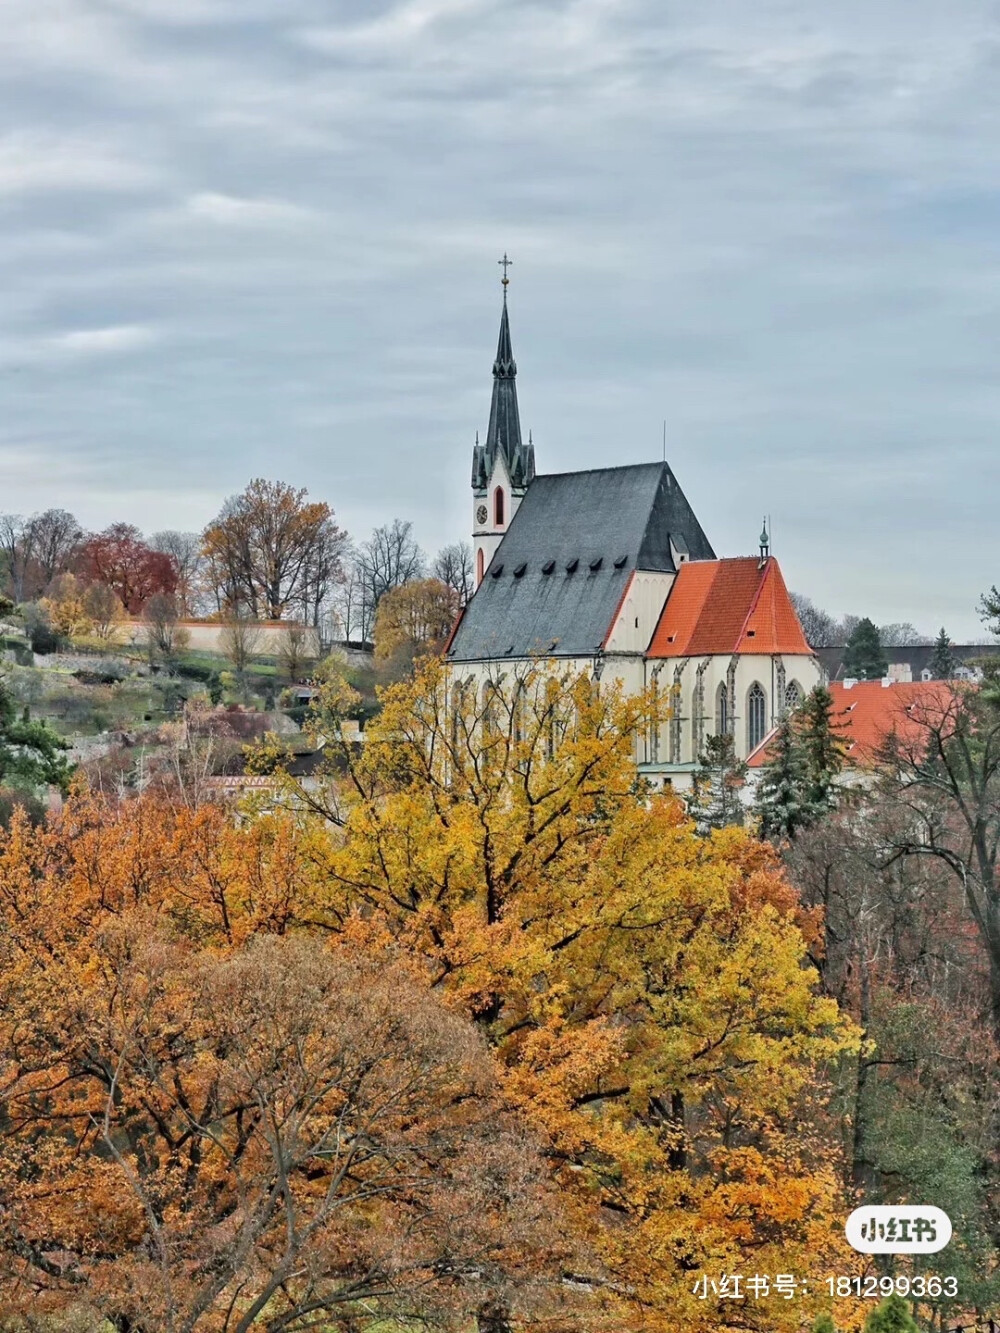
x: 503, y: 467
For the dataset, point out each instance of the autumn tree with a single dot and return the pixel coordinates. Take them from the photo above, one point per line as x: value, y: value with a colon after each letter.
x: 119, y: 557
x: 36, y: 549
x: 415, y: 617
x: 210, y: 1120
x: 66, y: 606
x: 272, y: 551
x: 105, y: 611
x: 646, y: 991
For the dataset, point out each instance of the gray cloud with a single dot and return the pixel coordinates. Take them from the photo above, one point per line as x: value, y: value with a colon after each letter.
x: 245, y: 237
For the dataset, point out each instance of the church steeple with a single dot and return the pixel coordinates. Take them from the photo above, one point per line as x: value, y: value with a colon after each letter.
x: 503, y: 436
x: 503, y: 466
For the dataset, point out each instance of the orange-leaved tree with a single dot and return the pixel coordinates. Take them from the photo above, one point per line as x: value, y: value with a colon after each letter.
x: 646, y: 991
x: 212, y: 1119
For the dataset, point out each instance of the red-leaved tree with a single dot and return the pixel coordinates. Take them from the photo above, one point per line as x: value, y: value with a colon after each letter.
x: 120, y: 558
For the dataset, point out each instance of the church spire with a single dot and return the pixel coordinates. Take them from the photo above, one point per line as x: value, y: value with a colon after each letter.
x: 503, y: 436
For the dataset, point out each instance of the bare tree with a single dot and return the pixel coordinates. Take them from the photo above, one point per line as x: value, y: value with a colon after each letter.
x: 820, y: 628
x: 388, y: 559
x: 453, y: 566
x: 16, y: 547
x: 184, y: 549
x: 349, y: 602
x: 901, y: 634
x: 160, y: 615
x: 55, y: 539
x: 294, y: 655
x: 240, y: 642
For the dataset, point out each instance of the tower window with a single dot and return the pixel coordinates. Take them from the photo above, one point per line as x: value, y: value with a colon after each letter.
x: 498, y: 512
x: 756, y: 716
x: 479, y: 566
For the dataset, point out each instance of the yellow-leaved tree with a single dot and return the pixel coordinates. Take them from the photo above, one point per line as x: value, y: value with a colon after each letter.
x: 646, y: 991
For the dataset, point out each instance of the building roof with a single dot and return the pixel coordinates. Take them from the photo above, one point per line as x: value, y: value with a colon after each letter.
x: 503, y: 437
x: 917, y: 656
x: 555, y: 582
x: 721, y: 607
x: 867, y: 713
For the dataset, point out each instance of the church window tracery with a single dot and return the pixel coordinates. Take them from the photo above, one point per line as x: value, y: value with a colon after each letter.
x: 793, y: 696
x: 756, y: 716
x: 722, y: 710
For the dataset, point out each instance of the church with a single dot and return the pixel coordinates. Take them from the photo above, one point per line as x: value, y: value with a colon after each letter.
x: 609, y: 571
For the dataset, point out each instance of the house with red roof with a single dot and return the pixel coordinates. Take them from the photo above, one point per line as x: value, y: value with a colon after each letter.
x: 609, y: 571
x: 867, y: 713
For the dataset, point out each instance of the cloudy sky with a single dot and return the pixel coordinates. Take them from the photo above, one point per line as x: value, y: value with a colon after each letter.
x: 259, y: 237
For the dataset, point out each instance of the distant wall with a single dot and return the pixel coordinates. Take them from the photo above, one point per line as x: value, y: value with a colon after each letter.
x: 206, y: 636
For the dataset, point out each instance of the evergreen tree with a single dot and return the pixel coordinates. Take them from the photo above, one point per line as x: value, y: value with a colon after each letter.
x: 31, y: 754
x: 715, y: 800
x: 823, y: 1323
x: 782, y: 798
x: 892, y: 1316
x: 943, y: 659
x: 823, y: 748
x: 798, y: 782
x: 864, y: 656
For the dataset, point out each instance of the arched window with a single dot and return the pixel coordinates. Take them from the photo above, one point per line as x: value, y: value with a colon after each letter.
x: 722, y: 710
x: 498, y: 507
x: 793, y: 696
x: 490, y: 709
x: 756, y: 716
x: 457, y: 705
x: 479, y: 567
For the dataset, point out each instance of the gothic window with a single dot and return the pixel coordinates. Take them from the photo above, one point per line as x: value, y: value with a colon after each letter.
x: 722, y: 711
x: 498, y: 519
x: 518, y: 713
x: 479, y: 566
x: 793, y: 696
x: 654, y: 725
x: 490, y: 711
x: 756, y: 717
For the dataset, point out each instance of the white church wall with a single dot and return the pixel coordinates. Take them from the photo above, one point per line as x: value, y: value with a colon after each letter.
x: 640, y: 611
x: 750, y: 668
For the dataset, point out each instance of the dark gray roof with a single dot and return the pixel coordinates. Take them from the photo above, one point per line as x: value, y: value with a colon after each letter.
x: 916, y: 655
x: 503, y: 435
x: 609, y: 522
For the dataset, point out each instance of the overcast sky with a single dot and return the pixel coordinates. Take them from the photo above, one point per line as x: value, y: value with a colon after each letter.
x: 259, y: 237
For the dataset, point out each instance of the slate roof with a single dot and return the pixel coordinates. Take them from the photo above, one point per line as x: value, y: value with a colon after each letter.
x: 721, y: 607
x: 555, y: 582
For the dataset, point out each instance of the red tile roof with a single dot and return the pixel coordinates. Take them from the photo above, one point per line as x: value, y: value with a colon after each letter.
x: 721, y: 607
x: 867, y: 713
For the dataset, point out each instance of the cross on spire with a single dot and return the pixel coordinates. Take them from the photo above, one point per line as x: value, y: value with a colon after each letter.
x: 505, y: 264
